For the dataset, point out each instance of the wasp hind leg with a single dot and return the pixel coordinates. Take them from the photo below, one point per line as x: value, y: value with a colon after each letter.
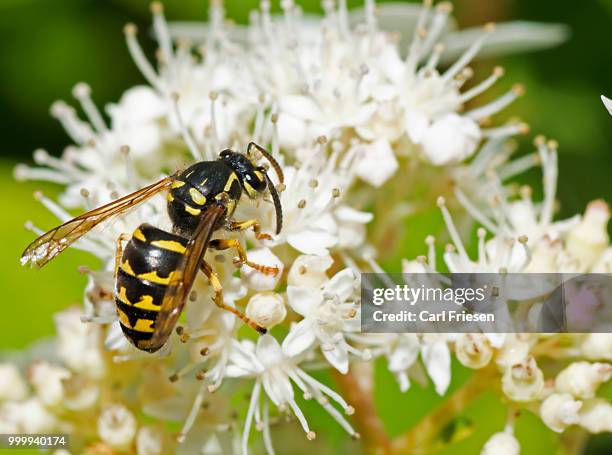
x: 119, y: 250
x: 218, y: 299
x: 253, y: 224
x: 224, y: 244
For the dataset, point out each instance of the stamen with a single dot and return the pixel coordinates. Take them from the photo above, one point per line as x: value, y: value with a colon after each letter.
x: 497, y: 105
x: 469, y: 54
x: 162, y: 34
x: 130, y: 30
x: 452, y: 230
x: 195, y: 152
x: 193, y: 413
x: 53, y: 207
x: 254, y: 402
x: 82, y: 92
x: 498, y: 72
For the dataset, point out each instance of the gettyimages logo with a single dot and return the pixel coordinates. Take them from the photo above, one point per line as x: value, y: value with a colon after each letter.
x: 486, y: 302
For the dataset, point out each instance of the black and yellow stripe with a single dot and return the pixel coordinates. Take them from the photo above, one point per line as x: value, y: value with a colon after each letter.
x: 147, y: 264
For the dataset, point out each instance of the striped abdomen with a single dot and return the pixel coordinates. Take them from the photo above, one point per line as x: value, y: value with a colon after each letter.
x: 147, y: 264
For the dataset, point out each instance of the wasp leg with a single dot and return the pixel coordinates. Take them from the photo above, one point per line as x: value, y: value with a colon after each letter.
x: 224, y: 244
x: 218, y: 299
x: 119, y: 250
x: 246, y: 224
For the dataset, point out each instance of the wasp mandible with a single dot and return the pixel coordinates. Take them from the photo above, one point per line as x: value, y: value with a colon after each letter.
x: 155, y: 270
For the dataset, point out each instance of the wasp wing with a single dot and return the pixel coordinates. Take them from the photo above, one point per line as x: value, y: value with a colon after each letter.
x: 183, y: 277
x: 52, y: 243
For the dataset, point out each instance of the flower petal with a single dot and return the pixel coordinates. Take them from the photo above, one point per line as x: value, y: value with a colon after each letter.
x: 299, y: 339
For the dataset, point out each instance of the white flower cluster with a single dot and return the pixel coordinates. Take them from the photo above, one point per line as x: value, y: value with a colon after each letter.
x: 343, y: 110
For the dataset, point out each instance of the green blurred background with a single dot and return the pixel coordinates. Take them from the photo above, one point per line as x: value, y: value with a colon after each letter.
x: 47, y: 46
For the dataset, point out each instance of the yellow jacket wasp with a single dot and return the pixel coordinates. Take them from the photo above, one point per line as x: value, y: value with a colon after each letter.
x: 156, y: 269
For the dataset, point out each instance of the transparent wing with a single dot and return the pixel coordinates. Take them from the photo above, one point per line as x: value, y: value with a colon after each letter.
x: 52, y: 243
x: 183, y: 277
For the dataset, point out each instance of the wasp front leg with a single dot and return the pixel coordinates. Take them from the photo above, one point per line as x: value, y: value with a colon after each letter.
x: 218, y: 299
x: 252, y: 224
x: 224, y: 244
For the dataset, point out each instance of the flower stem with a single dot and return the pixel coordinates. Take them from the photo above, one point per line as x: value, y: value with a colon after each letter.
x: 357, y: 389
x: 420, y: 437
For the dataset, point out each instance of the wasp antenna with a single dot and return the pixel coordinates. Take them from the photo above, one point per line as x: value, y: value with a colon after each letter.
x: 277, y: 203
x: 267, y: 155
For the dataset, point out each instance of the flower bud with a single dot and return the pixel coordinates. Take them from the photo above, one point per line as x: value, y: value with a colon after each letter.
x: 79, y: 392
x: 604, y: 263
x: 523, y: 381
x: 308, y: 270
x: 12, y: 384
x: 47, y: 381
x: 514, y: 351
x: 117, y: 427
x: 597, y: 346
x: 559, y: 411
x: 149, y: 441
x: 596, y: 416
x: 257, y: 280
x: 29, y: 416
x: 582, y: 379
x: 588, y: 240
x: 267, y: 309
x: 473, y: 350
x: 501, y: 443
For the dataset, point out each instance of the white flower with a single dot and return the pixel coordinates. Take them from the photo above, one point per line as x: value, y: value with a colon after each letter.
x: 309, y: 270
x: 12, y: 384
x: 587, y: 241
x: 266, y: 309
x: 149, y: 441
x: 596, y: 416
x: 28, y: 416
x: 436, y: 358
x: 523, y: 381
x: 276, y: 370
x: 257, y: 280
x: 450, y: 138
x: 328, y: 313
x: 559, y: 411
x: 473, y: 350
x: 597, y: 346
x: 79, y: 345
x: 375, y: 162
x: 47, y: 380
x: 582, y: 379
x: 502, y: 443
x: 117, y: 427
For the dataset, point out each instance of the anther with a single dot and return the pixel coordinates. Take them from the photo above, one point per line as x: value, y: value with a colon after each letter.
x: 302, y: 269
x: 200, y: 375
x: 130, y: 29
x: 179, y: 330
x: 489, y: 27
x: 281, y: 187
x: 274, y: 118
x: 322, y: 139
x: 213, y: 95
x: 481, y: 233
x: 498, y: 71
x: 441, y: 202
x: 313, y: 183
x: 81, y: 90
x: 301, y: 204
x: 193, y: 296
x: 523, y: 239
x: 174, y: 377
x: 174, y: 96
x: 311, y: 435
x: 125, y: 150
x: 114, y: 195
x: 518, y: 89
x: 336, y: 192
x: 83, y: 270
x: 185, y: 337
x: 349, y: 410
x: 430, y: 240
x: 41, y: 156
x: 84, y: 192
x: 204, y: 351
x: 156, y: 7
